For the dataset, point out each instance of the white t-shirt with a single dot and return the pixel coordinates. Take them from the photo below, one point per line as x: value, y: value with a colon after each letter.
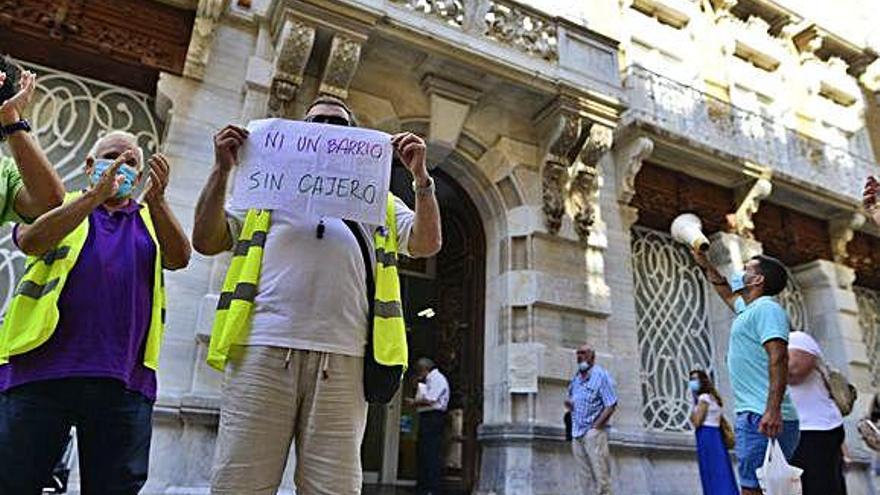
x: 713, y: 413
x: 312, y: 293
x: 816, y: 409
x: 435, y: 390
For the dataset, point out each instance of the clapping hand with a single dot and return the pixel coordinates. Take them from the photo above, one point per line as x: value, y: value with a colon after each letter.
x: 11, y: 109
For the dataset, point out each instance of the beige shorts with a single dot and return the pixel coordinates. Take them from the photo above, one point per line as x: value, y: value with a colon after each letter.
x: 274, y: 396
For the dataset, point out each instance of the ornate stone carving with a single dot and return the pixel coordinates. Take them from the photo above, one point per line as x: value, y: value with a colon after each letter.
x: 515, y: 26
x: 345, y: 53
x: 583, y: 190
x: 628, y: 160
x: 504, y: 21
x: 292, y: 54
x: 741, y: 219
x: 208, y: 13
x: 565, y: 139
x: 451, y: 12
x: 842, y: 230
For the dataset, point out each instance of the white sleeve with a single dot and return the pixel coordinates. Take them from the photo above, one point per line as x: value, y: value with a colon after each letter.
x: 405, y: 218
x: 434, y: 389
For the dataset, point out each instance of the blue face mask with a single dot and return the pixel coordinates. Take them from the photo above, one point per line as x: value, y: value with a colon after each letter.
x: 694, y: 385
x: 583, y: 366
x: 126, y: 171
x: 737, y: 281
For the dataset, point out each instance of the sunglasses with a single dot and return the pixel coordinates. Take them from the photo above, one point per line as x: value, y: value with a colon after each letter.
x: 328, y: 119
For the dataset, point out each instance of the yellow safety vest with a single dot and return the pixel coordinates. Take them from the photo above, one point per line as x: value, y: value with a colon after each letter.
x: 234, y: 309
x: 33, y: 312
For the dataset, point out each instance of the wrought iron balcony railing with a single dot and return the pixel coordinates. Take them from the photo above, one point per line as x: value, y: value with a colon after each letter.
x: 685, y: 111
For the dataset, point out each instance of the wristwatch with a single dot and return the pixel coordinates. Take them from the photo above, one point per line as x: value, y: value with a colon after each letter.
x: 424, y: 190
x: 8, y: 130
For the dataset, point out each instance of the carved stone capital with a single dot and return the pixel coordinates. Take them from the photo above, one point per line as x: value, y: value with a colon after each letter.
x: 628, y: 160
x: 583, y: 189
x: 342, y: 63
x: 198, y: 54
x: 292, y: 54
x: 742, y: 218
x: 553, y: 178
x: 842, y: 230
x: 563, y: 139
x: 583, y: 197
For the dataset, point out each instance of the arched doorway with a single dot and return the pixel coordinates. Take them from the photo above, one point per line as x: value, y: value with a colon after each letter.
x: 444, y: 308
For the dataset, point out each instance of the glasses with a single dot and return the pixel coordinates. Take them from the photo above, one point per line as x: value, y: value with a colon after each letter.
x: 328, y: 119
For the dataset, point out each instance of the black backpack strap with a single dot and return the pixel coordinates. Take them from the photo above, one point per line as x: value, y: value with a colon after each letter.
x: 365, y: 253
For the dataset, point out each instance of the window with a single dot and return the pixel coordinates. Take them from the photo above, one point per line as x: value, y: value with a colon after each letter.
x: 672, y: 320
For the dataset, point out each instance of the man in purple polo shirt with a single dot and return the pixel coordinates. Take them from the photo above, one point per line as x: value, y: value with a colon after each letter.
x: 96, y: 370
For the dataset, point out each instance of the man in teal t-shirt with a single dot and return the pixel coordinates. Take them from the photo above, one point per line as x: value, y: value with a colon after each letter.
x: 29, y: 185
x: 757, y: 359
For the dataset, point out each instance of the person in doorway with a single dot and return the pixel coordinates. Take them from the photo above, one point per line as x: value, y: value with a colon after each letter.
x: 82, y: 335
x: 820, y: 451
x: 757, y: 360
x: 293, y: 319
x: 431, y: 400
x: 592, y: 400
x: 29, y: 185
x: 716, y: 471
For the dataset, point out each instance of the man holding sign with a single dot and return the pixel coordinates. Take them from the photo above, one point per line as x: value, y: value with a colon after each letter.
x: 294, y: 315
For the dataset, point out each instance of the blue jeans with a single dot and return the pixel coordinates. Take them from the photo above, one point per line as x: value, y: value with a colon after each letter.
x: 113, y: 427
x: 752, y: 444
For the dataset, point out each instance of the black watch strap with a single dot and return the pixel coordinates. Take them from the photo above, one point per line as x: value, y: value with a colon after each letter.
x: 8, y: 130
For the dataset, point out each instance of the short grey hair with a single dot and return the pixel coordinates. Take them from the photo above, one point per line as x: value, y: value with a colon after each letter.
x: 123, y: 135
x: 425, y: 363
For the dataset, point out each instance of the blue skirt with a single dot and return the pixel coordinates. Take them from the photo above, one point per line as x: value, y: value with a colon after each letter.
x: 716, y: 471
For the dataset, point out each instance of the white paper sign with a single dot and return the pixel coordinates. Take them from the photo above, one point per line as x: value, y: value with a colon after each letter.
x: 522, y: 367
x: 319, y: 169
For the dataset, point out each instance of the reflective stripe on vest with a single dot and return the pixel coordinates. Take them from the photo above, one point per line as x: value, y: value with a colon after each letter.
x: 235, y: 306
x: 33, y: 312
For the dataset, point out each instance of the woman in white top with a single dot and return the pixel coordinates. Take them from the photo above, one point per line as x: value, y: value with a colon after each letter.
x: 716, y: 471
x: 819, y: 452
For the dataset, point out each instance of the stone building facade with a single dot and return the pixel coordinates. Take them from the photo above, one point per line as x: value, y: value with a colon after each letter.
x: 565, y: 137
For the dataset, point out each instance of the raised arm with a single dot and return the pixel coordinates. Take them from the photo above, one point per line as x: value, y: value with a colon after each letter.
x: 211, y: 230
x: 715, y: 278
x: 48, y: 230
x: 42, y: 189
x: 176, y: 250
x: 426, y: 238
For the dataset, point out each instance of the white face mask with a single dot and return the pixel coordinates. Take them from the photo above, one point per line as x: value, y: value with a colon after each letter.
x: 584, y: 366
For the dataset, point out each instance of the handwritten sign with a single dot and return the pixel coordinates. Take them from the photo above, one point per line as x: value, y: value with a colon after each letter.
x: 319, y: 169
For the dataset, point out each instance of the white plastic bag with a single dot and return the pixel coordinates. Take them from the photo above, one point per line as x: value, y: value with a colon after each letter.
x: 776, y: 476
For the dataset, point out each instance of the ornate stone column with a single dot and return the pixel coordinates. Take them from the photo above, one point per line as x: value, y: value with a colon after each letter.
x: 208, y: 12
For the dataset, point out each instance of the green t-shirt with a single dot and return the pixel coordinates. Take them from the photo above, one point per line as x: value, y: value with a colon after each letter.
x: 10, y: 184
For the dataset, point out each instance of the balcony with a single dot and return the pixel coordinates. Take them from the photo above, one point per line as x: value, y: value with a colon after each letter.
x: 715, y: 124
x: 548, y: 48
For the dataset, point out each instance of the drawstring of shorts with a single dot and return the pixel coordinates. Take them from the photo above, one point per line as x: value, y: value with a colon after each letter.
x: 325, y: 364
